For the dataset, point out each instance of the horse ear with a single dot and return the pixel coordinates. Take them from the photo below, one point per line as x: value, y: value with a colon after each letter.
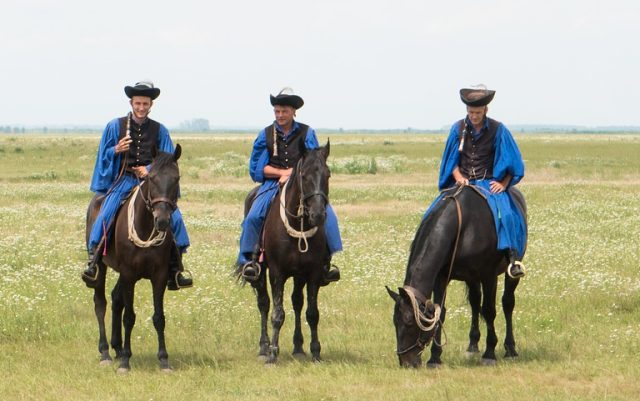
x: 177, y: 152
x: 325, y: 150
x: 395, y: 296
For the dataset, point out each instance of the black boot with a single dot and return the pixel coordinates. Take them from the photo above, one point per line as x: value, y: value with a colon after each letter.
x: 330, y: 273
x: 176, y: 279
x: 90, y: 273
x: 515, y: 269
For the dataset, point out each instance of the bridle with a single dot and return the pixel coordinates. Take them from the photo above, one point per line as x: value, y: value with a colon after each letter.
x: 156, y: 238
x: 420, y: 317
x: 302, y: 211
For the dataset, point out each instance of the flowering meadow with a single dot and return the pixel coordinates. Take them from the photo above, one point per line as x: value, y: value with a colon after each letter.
x: 577, y: 316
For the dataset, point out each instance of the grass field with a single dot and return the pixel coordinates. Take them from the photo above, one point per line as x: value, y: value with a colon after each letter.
x: 577, y: 317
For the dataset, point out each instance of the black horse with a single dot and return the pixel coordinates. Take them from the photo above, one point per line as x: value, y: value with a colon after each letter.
x: 145, y: 214
x: 295, y: 246
x: 456, y: 241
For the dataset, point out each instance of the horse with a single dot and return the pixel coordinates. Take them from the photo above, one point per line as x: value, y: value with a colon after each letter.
x: 145, y: 214
x: 291, y: 252
x: 456, y: 241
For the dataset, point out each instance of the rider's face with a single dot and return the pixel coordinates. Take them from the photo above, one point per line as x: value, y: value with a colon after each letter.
x: 284, y: 116
x: 141, y: 105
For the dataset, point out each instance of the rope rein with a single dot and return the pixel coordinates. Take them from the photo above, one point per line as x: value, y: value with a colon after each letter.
x: 156, y: 238
x: 302, y: 235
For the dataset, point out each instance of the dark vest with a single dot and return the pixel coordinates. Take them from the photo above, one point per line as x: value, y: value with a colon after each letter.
x: 289, y: 150
x: 476, y: 158
x: 144, y: 139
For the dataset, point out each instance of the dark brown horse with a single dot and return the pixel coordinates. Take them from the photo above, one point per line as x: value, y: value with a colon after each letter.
x: 139, y: 247
x: 456, y: 241
x: 295, y: 246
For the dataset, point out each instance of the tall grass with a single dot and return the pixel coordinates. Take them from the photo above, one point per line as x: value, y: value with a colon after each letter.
x: 577, y: 318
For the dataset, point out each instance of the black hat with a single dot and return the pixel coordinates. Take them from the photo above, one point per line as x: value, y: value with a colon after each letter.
x: 287, y: 98
x: 477, y: 96
x: 142, y: 88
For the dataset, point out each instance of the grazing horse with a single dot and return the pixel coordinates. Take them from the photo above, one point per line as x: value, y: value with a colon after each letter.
x: 456, y: 241
x: 145, y: 214
x: 295, y: 246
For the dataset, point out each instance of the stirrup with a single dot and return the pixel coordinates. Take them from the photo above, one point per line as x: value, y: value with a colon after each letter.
x: 516, y: 263
x: 187, y: 275
x: 255, y: 265
x: 90, y: 278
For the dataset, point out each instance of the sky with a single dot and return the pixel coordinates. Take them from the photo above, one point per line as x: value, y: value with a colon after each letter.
x: 358, y: 64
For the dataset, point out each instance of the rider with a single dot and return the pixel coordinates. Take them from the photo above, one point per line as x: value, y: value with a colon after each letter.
x: 482, y: 152
x: 275, y: 152
x: 123, y: 160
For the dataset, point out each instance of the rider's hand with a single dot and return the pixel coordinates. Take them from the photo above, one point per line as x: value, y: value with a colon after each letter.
x: 462, y: 181
x: 496, y: 187
x: 284, y: 175
x: 141, y: 171
x: 123, y: 144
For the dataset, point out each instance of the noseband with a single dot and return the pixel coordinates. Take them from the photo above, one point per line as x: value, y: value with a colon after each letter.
x: 151, y: 202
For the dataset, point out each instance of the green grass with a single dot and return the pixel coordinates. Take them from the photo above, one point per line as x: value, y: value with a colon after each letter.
x: 577, y: 318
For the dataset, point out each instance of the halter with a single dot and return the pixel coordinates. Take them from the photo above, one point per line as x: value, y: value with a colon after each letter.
x: 156, y: 238
x: 302, y: 235
x: 417, y: 297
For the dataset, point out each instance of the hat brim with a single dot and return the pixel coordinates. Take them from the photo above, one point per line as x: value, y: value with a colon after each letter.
x: 132, y: 91
x: 294, y: 101
x: 475, y: 97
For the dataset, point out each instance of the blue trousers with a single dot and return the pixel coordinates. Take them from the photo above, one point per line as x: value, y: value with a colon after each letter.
x: 510, y: 225
x: 252, y: 224
x: 110, y: 207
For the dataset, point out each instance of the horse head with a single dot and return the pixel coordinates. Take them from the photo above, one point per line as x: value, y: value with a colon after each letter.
x: 163, y: 187
x: 313, y: 178
x: 415, y: 319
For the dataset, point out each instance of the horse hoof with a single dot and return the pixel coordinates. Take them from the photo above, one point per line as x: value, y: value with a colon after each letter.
x: 123, y: 371
x: 432, y: 365
x: 470, y: 354
x: 168, y: 369
x: 487, y: 362
x: 263, y: 358
x: 299, y: 356
x: 106, y: 362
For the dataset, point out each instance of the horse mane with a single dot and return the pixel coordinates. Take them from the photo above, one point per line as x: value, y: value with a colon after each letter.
x: 163, y: 160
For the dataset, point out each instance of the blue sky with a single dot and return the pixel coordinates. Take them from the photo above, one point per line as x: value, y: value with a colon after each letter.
x: 357, y: 63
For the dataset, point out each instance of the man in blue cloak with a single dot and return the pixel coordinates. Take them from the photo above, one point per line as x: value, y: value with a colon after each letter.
x: 123, y: 160
x: 481, y: 151
x: 276, y: 150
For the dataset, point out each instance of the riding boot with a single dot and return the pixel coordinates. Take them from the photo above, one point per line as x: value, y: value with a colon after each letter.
x: 251, y: 270
x: 90, y: 273
x: 515, y: 269
x: 176, y: 279
x: 330, y: 272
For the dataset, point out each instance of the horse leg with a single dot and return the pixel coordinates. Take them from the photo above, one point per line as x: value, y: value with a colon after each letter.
x: 313, y: 317
x: 474, y: 295
x: 277, y: 315
x: 128, y: 320
x: 489, y: 315
x: 508, y: 304
x: 263, y: 306
x: 159, y: 286
x: 100, y: 306
x: 117, y: 307
x: 297, y: 300
x: 436, y: 346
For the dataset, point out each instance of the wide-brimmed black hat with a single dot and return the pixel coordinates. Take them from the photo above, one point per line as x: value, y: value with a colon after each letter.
x: 142, y: 88
x: 477, y: 96
x: 287, y: 98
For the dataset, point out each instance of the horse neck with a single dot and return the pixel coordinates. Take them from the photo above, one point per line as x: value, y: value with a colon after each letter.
x: 432, y: 249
